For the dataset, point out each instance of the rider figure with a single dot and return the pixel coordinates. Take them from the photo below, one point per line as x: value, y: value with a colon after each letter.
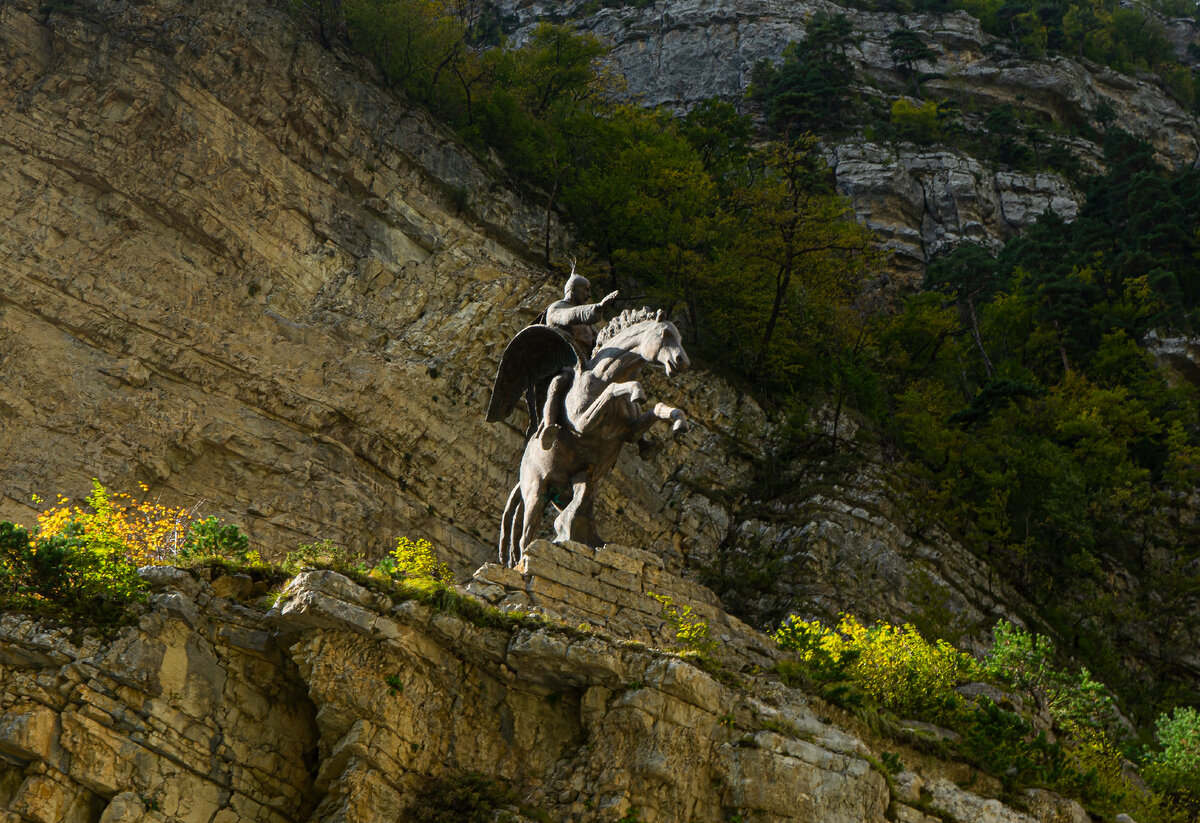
x: 574, y: 315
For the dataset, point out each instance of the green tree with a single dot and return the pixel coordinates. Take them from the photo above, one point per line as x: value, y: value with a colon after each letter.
x: 799, y: 246
x: 907, y: 50
x: 970, y: 275
x: 808, y: 90
x: 1005, y: 134
x: 919, y: 123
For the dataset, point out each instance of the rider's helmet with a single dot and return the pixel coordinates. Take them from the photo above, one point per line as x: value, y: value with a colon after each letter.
x: 577, y: 283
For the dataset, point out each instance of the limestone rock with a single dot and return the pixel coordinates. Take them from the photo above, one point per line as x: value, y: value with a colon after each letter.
x: 329, y: 719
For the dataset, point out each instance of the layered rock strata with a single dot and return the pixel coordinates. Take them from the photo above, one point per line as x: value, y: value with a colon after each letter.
x: 340, y: 704
x: 616, y: 589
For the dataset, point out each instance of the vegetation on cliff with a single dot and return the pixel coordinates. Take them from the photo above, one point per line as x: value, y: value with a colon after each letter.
x: 1014, y: 714
x: 1014, y: 391
x: 1126, y: 37
x: 81, y: 565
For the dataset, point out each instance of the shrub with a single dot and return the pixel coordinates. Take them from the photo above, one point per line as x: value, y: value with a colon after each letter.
x: 918, y: 123
x: 893, y: 665
x: 1025, y: 660
x: 322, y: 554
x: 1176, y: 769
x: 212, y: 537
x: 72, y: 574
x: 823, y: 652
x: 468, y: 798
x: 1003, y: 743
x: 691, y: 630
x: 148, y: 530
x: 415, y: 561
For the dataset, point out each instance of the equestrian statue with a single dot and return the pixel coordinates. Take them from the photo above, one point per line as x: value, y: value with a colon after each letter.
x: 584, y: 403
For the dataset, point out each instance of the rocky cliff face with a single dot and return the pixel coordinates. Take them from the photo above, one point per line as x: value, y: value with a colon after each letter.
x: 341, y: 705
x: 236, y: 271
x: 921, y: 201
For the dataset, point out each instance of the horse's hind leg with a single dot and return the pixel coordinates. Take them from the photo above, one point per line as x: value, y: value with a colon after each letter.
x: 512, y: 510
x: 533, y: 491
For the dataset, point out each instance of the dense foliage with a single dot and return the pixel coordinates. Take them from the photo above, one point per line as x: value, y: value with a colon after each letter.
x: 1036, y: 423
x: 1175, y: 767
x: 81, y: 562
x: 895, y: 670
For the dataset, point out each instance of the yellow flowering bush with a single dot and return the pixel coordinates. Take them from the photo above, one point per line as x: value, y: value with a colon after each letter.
x: 82, y: 561
x: 145, y: 530
x: 893, y: 665
x: 77, y: 563
x: 415, y: 561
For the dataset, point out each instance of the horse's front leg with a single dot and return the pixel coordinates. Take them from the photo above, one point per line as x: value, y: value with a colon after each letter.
x: 661, y: 411
x: 590, y: 415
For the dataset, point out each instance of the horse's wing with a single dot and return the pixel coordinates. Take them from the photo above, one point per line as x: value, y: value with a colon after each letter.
x: 535, y: 355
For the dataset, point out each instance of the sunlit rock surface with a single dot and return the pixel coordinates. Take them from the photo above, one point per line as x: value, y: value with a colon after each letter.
x: 339, y: 704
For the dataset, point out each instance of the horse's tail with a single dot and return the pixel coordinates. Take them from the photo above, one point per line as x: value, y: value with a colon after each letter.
x: 514, y: 511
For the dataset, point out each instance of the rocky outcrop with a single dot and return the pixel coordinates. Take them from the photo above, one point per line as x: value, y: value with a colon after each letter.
x: 340, y: 704
x: 1180, y: 354
x: 616, y: 589
x: 922, y: 202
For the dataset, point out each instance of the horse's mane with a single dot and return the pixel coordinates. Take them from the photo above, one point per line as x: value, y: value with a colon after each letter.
x: 627, y: 318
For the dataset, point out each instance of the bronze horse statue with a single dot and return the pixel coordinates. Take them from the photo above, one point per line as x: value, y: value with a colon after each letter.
x: 600, y: 412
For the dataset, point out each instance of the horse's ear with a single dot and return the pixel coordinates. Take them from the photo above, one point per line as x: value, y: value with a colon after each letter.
x: 659, y: 316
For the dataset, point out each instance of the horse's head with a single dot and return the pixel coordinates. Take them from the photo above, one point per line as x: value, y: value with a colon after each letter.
x: 646, y: 333
x: 662, y: 344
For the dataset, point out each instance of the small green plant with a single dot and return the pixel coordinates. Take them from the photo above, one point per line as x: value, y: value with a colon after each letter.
x: 786, y: 729
x: 630, y: 816
x: 727, y: 720
x: 691, y: 630
x: 467, y: 798
x: 324, y: 554
x: 395, y: 684
x: 892, y: 762
x: 1025, y: 660
x: 212, y: 537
